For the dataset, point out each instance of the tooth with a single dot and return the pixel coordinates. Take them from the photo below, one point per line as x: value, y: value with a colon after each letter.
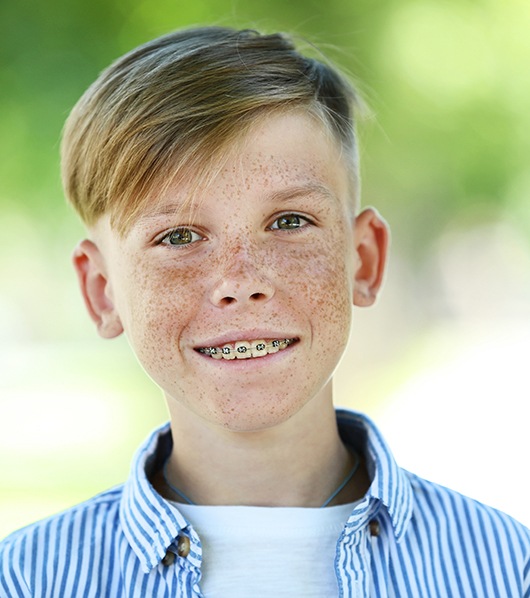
x: 274, y: 346
x: 228, y: 352
x: 215, y: 352
x: 258, y: 348
x: 246, y: 349
x: 242, y: 349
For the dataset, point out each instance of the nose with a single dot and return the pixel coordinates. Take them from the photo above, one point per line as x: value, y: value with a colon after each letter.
x: 242, y: 282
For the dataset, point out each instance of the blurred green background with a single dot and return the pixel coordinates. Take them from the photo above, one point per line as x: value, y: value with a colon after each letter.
x: 441, y: 362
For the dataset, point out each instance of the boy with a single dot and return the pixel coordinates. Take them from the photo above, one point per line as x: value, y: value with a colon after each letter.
x: 216, y: 171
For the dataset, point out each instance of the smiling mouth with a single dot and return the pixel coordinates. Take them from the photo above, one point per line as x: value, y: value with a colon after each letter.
x: 247, y: 349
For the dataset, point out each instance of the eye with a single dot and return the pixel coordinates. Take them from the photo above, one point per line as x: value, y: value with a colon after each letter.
x: 181, y: 236
x: 289, y: 222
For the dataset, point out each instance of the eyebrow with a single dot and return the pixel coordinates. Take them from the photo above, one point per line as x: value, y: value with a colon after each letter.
x: 305, y: 189
x: 281, y: 195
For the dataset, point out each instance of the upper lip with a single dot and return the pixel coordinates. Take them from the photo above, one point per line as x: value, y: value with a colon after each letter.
x: 243, y: 335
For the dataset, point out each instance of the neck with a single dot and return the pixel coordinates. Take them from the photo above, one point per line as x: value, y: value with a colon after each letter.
x: 297, y: 463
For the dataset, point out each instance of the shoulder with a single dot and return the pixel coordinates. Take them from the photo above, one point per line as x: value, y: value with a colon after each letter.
x: 51, y: 544
x: 457, y: 516
x: 87, y: 515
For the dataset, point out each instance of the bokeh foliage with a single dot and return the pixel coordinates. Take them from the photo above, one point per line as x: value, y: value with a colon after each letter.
x: 447, y: 147
x: 448, y: 82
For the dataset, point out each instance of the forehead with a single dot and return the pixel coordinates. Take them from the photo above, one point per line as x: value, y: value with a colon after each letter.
x: 279, y: 156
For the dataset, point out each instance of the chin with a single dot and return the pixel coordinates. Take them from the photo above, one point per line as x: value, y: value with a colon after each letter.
x: 264, y: 417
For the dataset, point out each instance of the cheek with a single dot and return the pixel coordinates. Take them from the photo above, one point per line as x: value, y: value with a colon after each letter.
x: 330, y: 296
x: 158, y: 304
x: 324, y: 284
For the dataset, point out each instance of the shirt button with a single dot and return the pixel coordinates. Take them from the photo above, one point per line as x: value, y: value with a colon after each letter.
x: 169, y: 559
x: 375, y: 528
x: 183, y: 546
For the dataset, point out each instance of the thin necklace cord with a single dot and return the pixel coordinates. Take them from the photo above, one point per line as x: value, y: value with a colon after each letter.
x: 343, y: 484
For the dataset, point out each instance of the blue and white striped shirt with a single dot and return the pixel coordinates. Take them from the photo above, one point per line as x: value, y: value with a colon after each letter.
x: 406, y: 538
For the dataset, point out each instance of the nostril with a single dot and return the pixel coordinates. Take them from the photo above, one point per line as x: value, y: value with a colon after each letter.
x: 229, y: 292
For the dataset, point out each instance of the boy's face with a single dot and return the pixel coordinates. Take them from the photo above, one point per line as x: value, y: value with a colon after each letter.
x: 270, y: 251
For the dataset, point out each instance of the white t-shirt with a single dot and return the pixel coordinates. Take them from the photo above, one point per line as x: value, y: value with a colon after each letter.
x: 268, y: 552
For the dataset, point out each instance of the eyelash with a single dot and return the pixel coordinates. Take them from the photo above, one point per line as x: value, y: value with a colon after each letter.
x: 183, y: 229
x: 303, y: 223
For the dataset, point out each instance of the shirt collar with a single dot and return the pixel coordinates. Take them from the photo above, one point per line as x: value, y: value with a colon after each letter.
x: 390, y: 484
x: 150, y: 523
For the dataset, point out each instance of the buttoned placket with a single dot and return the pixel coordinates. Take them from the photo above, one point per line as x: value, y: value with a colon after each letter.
x: 382, y: 534
x: 354, y: 552
x: 177, y: 560
x: 182, y: 549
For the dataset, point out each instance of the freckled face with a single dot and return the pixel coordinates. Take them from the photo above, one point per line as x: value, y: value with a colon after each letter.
x: 266, y: 254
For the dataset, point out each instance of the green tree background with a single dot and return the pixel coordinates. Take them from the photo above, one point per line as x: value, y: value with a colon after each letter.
x: 445, y: 157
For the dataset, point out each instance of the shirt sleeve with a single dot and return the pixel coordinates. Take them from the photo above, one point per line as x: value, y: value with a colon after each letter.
x: 12, y: 580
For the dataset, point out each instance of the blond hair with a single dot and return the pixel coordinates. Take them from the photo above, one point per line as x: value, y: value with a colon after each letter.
x: 177, y: 102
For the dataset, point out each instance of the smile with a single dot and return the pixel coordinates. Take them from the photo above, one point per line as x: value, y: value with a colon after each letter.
x: 247, y: 349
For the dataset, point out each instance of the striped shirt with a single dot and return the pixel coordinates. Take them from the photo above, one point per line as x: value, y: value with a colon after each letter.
x: 407, y: 538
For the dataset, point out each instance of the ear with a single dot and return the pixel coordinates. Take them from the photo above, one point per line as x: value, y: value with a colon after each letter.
x: 371, y: 236
x: 93, y: 279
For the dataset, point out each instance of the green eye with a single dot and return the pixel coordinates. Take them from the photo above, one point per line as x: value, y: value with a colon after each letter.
x: 181, y: 236
x: 289, y: 222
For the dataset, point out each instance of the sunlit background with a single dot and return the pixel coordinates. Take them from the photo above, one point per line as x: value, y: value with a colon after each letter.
x: 442, y: 362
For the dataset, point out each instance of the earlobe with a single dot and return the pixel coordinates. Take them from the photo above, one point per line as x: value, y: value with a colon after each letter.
x: 371, y: 244
x: 93, y: 279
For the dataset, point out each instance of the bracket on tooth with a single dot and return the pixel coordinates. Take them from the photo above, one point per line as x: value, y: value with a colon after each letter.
x: 277, y: 344
x: 208, y: 351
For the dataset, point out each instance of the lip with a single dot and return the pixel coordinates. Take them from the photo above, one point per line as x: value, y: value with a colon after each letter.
x: 248, y: 364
